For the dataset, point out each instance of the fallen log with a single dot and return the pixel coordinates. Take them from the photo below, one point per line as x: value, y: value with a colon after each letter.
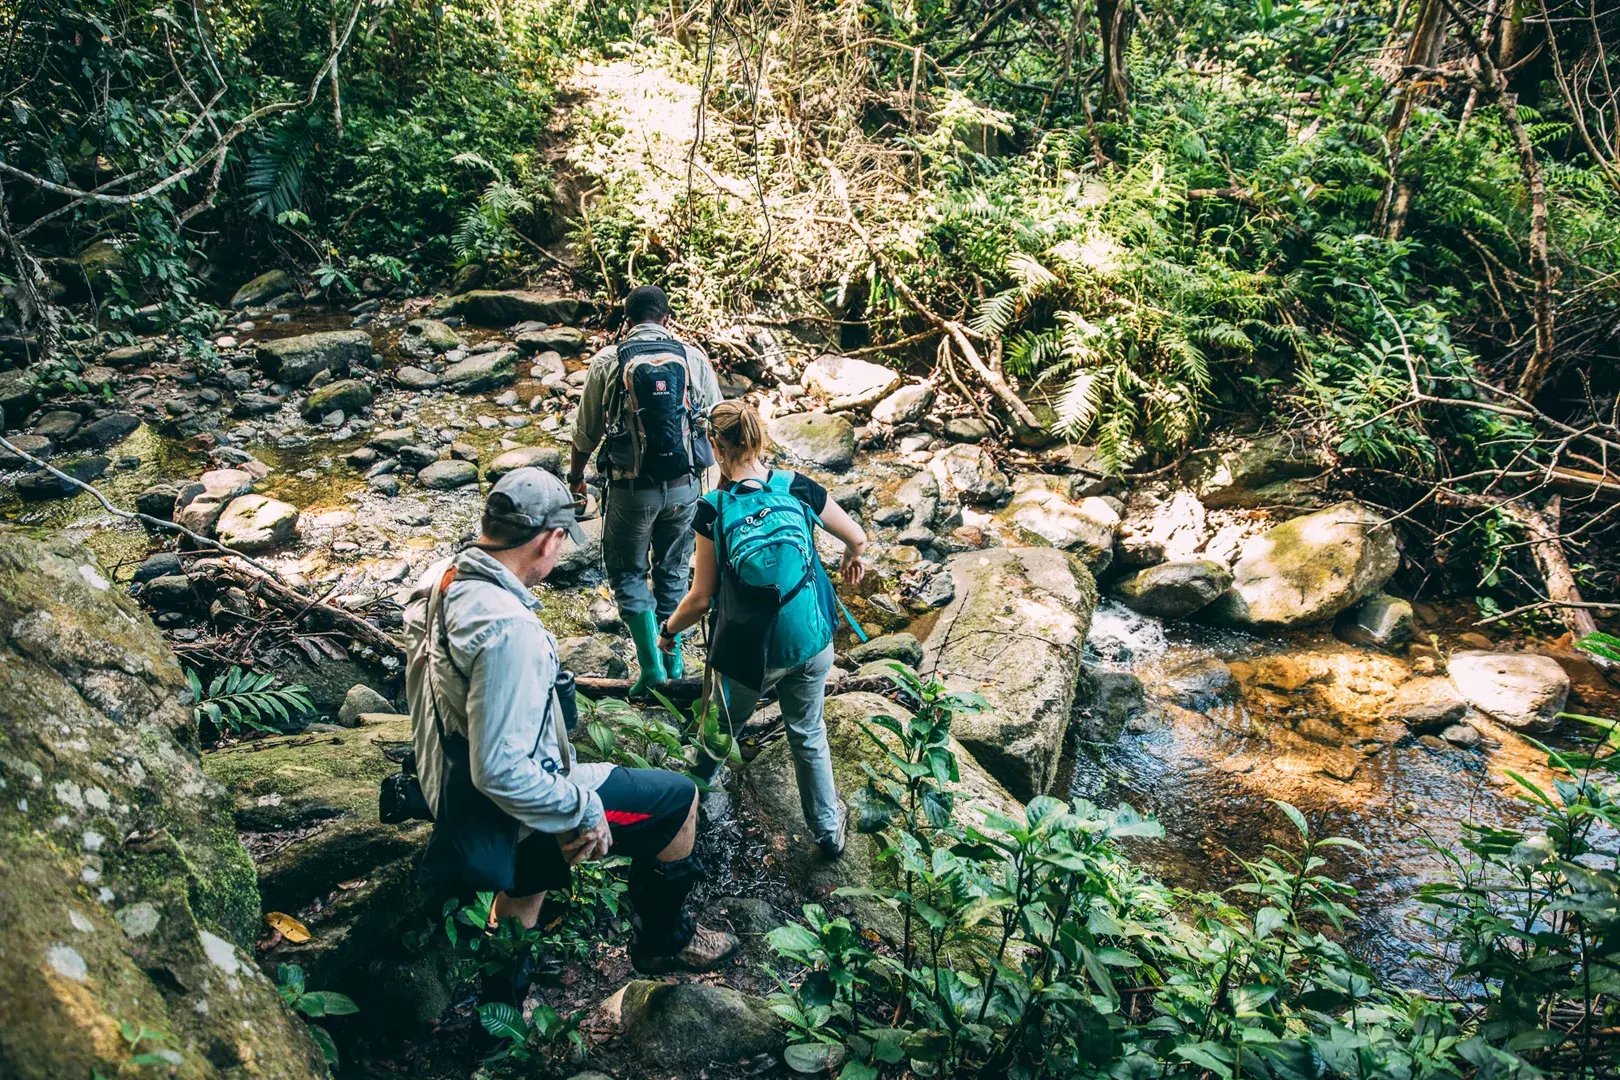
x: 300, y: 607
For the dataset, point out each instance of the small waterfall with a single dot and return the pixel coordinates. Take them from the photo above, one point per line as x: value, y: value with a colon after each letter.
x: 1122, y: 638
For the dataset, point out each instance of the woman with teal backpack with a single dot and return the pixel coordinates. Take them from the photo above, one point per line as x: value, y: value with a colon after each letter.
x: 773, y: 607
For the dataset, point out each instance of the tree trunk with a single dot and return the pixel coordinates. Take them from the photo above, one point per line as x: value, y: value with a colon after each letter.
x: 1114, y: 20
x: 1422, y: 52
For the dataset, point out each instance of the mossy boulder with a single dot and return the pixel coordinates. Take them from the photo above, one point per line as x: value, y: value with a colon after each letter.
x: 1310, y: 568
x: 771, y: 797
x: 503, y: 307
x: 264, y: 288
x: 125, y: 894
x: 307, y: 805
x: 296, y: 360
x: 1015, y: 633
x: 481, y: 371
x: 689, y: 1025
x: 347, y: 396
x: 815, y: 438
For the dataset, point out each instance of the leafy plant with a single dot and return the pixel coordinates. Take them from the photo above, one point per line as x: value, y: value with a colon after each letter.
x: 313, y: 1005
x: 238, y: 700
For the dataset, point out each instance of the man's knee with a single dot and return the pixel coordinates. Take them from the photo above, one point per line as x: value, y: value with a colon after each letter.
x: 681, y: 846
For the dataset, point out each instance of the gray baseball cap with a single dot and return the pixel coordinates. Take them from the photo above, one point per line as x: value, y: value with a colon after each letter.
x: 535, y: 498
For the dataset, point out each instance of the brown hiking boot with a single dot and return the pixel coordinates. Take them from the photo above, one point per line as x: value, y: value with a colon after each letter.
x: 707, y: 950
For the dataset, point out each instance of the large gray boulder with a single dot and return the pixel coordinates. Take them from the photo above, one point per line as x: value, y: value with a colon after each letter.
x: 348, y: 396
x: 1086, y: 527
x: 296, y: 360
x: 770, y: 795
x: 1155, y: 529
x: 125, y: 894
x: 686, y: 1026
x: 816, y: 438
x: 1378, y: 622
x: 1263, y: 471
x: 548, y: 458
x: 482, y: 371
x: 968, y: 474
x: 1309, y: 569
x: 448, y: 475
x: 1015, y: 633
x: 424, y: 339
x: 503, y: 307
x: 845, y: 382
x: 907, y: 405
x: 1174, y: 590
x: 1522, y: 690
x: 264, y: 288
x: 253, y: 523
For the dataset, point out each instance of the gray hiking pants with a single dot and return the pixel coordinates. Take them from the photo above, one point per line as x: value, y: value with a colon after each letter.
x: 649, y: 531
x: 801, y: 692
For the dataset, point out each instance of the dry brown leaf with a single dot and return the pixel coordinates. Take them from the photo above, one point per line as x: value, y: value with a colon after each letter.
x: 289, y: 927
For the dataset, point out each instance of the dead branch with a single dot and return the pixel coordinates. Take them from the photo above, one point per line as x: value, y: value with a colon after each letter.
x: 300, y: 607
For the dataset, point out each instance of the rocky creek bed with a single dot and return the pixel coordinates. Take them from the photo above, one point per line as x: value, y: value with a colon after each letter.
x: 1244, y: 649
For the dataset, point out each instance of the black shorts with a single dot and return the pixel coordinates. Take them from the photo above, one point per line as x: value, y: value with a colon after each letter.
x: 645, y: 808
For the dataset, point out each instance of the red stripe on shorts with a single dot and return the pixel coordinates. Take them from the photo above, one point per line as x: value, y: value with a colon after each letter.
x: 625, y: 817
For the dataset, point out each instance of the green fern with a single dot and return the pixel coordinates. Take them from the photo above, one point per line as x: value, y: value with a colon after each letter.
x: 240, y: 700
x: 275, y: 170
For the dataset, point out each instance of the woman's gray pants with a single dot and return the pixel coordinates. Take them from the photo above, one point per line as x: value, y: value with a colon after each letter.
x: 802, y: 692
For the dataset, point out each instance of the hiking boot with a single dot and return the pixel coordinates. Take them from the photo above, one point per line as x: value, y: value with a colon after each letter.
x: 674, y: 660
x: 832, y: 844
x: 707, y: 950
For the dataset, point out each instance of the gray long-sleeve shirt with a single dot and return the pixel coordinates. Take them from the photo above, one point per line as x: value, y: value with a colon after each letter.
x: 591, y: 420
x: 500, y: 699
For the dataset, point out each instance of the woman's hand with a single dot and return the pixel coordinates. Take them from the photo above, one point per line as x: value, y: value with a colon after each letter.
x: 852, y: 568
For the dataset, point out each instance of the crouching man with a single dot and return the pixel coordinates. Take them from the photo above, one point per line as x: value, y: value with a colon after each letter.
x: 512, y: 809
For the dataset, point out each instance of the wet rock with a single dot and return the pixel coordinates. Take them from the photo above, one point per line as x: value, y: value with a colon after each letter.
x: 482, y: 371
x: 199, y: 510
x: 1116, y: 699
x: 264, y: 288
x: 845, y: 382
x: 1461, y: 735
x: 816, y: 438
x: 392, y: 441
x: 966, y: 429
x: 1248, y: 473
x: 503, y: 307
x: 937, y: 591
x: 1023, y: 611
x: 19, y: 396
x: 424, y: 339
x: 592, y: 655
x: 38, y: 486
x: 414, y: 456
x: 1378, y: 622
x: 1173, y: 590
x: 902, y: 646
x: 415, y: 378
x: 58, y: 425
x: 106, y: 431
x: 686, y: 1026
x: 448, y: 475
x: 548, y: 458
x: 1086, y: 527
x: 360, y: 700
x: 1309, y: 569
x: 907, y: 405
x: 771, y: 798
x: 252, y: 404
x: 919, y: 495
x: 124, y: 890
x: 1198, y: 682
x: 385, y: 485
x: 566, y: 340
x: 297, y: 360
x: 1156, y: 529
x: 968, y: 474
x: 1428, y: 705
x: 35, y: 445
x: 128, y: 356
x: 253, y: 523
x: 347, y: 396
x: 1526, y: 691
x: 579, y: 563
x: 169, y: 592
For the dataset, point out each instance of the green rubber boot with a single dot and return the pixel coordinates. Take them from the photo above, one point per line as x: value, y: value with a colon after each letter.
x: 674, y: 662
x: 644, y: 632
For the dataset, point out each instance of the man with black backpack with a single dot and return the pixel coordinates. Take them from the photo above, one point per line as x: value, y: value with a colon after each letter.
x: 645, y: 404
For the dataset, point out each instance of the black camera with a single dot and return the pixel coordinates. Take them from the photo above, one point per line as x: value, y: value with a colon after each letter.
x: 400, y: 798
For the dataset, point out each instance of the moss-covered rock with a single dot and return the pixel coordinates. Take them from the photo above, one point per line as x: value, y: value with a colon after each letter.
x: 1309, y: 569
x: 686, y: 1026
x: 771, y: 797
x: 308, y: 807
x: 1015, y: 633
x: 124, y: 892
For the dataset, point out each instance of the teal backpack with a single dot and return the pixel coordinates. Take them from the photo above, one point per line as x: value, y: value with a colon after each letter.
x: 776, y: 606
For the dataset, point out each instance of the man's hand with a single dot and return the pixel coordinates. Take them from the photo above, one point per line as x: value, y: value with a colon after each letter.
x: 588, y: 844
x: 576, y: 488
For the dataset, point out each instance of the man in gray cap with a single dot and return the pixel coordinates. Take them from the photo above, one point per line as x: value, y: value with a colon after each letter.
x: 512, y: 808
